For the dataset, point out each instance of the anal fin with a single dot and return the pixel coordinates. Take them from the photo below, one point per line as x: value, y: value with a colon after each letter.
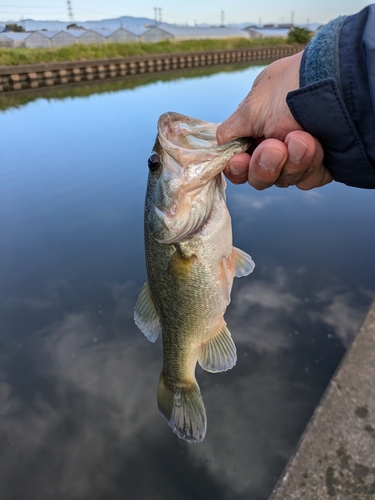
x: 219, y: 353
x: 146, y: 316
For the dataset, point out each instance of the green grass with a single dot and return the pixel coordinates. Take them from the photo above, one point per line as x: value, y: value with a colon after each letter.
x: 11, y: 57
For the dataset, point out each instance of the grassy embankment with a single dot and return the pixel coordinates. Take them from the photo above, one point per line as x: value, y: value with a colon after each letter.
x: 10, y: 57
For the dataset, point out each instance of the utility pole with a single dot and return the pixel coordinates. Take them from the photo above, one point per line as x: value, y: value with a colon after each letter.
x: 292, y: 19
x: 70, y: 10
x: 222, y: 18
x: 156, y: 15
x: 160, y: 15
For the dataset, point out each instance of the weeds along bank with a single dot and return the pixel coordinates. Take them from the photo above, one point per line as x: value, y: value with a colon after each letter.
x: 77, y: 52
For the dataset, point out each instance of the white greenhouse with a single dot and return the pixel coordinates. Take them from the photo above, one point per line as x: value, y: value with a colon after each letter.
x: 5, y: 41
x: 122, y: 35
x: 86, y: 36
x: 60, y: 38
x: 37, y: 39
x: 18, y: 39
x: 91, y: 37
x: 195, y: 33
x: 151, y: 34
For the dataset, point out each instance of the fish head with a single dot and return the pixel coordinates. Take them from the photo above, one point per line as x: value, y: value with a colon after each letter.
x: 185, y: 175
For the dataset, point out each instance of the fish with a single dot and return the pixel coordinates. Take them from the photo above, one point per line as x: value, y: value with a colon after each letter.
x: 191, y: 264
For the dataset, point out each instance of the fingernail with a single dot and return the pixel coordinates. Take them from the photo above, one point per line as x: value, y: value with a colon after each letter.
x: 296, y: 149
x: 271, y: 158
x: 238, y: 168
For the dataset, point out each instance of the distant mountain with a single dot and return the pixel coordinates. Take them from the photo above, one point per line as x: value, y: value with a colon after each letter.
x: 123, y: 21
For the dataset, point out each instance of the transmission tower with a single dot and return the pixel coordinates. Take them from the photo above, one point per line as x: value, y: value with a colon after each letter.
x: 70, y: 10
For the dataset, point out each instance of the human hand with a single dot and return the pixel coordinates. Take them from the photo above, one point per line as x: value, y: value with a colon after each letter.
x: 295, y: 162
x: 286, y: 155
x: 264, y: 111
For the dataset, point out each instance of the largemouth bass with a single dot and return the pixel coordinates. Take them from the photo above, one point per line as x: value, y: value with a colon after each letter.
x: 191, y: 263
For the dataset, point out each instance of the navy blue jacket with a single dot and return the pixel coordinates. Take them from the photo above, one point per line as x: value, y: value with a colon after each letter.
x: 336, y: 99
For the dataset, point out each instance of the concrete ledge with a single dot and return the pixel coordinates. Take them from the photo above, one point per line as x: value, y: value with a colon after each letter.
x: 336, y: 455
x: 16, y: 78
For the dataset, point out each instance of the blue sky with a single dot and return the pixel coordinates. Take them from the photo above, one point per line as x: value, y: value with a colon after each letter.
x: 188, y: 11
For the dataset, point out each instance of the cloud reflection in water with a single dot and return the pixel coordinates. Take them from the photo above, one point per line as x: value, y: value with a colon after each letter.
x: 92, y: 430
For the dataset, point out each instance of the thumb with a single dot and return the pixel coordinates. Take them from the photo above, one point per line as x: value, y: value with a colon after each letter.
x: 237, y: 125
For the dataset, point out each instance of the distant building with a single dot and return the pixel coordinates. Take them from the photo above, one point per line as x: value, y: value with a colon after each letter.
x: 253, y: 32
x: 287, y: 26
x: 195, y: 33
x: 272, y: 32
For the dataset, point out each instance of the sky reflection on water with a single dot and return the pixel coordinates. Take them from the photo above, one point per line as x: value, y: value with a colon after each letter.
x: 78, y: 413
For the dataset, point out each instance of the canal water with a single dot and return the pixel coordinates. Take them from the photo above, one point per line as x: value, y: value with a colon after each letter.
x: 78, y: 380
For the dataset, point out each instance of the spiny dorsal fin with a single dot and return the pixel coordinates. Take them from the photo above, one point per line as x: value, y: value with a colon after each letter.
x: 243, y: 263
x: 146, y: 316
x: 184, y: 409
x: 219, y: 353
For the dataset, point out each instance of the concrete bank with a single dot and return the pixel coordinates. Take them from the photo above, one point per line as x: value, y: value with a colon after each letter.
x: 32, y: 76
x: 336, y: 455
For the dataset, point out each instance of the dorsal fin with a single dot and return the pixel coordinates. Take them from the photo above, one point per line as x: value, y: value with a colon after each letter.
x: 219, y: 353
x: 146, y: 316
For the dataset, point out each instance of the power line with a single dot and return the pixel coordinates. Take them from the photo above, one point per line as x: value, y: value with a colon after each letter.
x: 27, y: 6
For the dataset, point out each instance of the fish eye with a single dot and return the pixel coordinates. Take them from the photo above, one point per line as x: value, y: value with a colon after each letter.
x: 153, y: 162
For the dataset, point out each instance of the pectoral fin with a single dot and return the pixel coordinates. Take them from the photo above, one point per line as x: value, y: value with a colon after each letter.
x: 242, y: 262
x: 146, y: 316
x: 219, y: 353
x: 180, y: 266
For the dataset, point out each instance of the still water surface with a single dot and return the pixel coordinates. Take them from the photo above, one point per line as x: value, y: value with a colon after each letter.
x: 78, y: 413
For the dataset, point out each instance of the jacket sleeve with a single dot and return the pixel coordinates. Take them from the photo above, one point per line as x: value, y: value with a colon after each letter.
x: 336, y: 99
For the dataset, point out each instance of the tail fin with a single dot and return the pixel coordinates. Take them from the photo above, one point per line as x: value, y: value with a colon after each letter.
x: 184, y: 410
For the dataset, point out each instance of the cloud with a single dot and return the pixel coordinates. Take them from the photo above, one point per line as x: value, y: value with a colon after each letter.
x: 249, y: 425
x: 259, y: 310
x: 341, y: 313
x: 269, y: 294
x: 248, y: 201
x: 104, y: 397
